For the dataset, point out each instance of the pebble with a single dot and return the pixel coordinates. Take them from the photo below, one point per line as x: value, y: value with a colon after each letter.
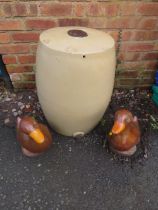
x: 15, y: 114
x: 22, y: 107
x: 13, y: 95
x: 20, y: 103
x: 13, y: 110
x: 27, y: 106
x: 19, y: 112
x: 145, y: 156
x: 4, y: 197
x: 8, y: 99
x: 6, y: 121
x: 131, y: 91
x: 66, y: 172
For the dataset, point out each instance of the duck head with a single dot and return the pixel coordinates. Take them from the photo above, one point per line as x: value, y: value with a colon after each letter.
x: 29, y: 126
x: 122, y: 118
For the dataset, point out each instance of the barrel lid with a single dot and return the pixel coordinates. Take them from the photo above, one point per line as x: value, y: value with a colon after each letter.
x: 77, y: 40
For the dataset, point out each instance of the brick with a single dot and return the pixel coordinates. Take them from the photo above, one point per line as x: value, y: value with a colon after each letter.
x: 33, y: 48
x: 102, y: 9
x: 14, y: 49
x: 147, y: 23
x: 150, y: 56
x: 111, y: 9
x: 121, y: 22
x: 156, y: 46
x: 6, y: 10
x: 137, y: 47
x: 79, y: 10
x: 15, y: 77
x: 150, y: 35
x: 22, y: 77
x: 141, y: 65
x: 149, y: 74
x: 147, y: 81
x: 139, y: 35
x: 4, y: 38
x: 114, y: 34
x: 136, y: 82
x: 24, y: 85
x: 11, y: 25
x: 25, y: 9
x: 26, y: 59
x: 129, y: 82
x: 20, y: 9
x: 128, y: 8
x: 150, y: 65
x: 95, y: 9
x: 127, y: 35
x: 73, y: 22
x: 25, y: 37
x: 131, y: 66
x: 29, y: 77
x: 130, y: 56
x: 128, y: 74
x: 19, y: 68
x: 147, y: 8
x: 39, y: 24
x: 32, y: 10
x: 9, y: 59
x: 56, y: 9
x: 98, y: 22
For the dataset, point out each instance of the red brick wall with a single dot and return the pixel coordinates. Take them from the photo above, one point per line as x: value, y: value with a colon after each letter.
x: 133, y: 24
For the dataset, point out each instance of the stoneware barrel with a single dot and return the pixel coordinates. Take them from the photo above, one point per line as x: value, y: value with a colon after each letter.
x: 75, y: 70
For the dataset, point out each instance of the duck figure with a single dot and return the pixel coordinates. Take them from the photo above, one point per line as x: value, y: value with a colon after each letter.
x: 34, y: 137
x: 125, y: 133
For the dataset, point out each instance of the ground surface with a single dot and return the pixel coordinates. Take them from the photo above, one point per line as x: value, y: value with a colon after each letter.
x: 78, y: 174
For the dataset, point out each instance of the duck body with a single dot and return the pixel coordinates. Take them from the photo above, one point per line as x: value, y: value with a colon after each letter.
x: 34, y: 137
x: 125, y: 133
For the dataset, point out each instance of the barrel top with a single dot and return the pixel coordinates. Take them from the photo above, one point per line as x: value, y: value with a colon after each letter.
x: 77, y: 40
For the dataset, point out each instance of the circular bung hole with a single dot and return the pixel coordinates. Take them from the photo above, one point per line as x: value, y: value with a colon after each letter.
x: 77, y: 33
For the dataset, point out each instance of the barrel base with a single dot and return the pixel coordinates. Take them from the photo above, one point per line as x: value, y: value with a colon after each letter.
x: 79, y: 134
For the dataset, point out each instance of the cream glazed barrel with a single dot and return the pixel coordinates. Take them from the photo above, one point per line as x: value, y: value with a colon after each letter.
x: 75, y: 68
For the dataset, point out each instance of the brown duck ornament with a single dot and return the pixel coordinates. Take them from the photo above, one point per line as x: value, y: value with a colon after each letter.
x: 34, y: 137
x: 125, y: 133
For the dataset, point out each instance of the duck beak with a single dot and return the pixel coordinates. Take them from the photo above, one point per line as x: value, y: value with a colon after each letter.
x: 118, y: 127
x: 37, y: 136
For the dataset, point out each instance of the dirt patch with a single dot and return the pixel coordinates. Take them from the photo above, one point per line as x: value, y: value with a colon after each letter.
x: 14, y: 104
